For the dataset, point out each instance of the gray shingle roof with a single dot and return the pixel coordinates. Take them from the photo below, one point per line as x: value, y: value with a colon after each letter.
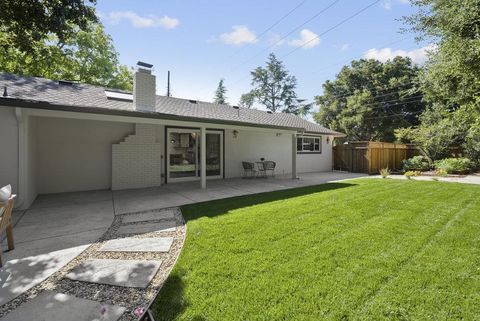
x: 81, y: 97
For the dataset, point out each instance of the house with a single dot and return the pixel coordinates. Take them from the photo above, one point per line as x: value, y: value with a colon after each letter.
x: 60, y: 136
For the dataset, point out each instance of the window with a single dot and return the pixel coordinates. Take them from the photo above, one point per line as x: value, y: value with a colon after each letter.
x: 309, y: 144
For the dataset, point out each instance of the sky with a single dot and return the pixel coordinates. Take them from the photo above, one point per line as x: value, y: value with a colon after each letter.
x: 203, y: 41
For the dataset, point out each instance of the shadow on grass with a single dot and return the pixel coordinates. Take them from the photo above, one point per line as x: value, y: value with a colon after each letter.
x: 222, y: 206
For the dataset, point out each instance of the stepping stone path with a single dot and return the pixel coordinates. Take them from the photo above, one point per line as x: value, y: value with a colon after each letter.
x: 115, y: 279
x: 162, y: 226
x: 131, y: 273
x: 131, y: 244
x: 61, y: 307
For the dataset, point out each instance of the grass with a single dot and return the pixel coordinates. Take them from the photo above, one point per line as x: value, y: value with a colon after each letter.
x: 361, y: 250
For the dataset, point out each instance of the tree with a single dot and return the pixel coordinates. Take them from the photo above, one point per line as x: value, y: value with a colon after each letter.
x: 303, y: 109
x: 247, y: 100
x: 273, y: 86
x: 27, y: 22
x: 88, y: 56
x: 451, y: 77
x: 369, y: 99
x: 220, y: 93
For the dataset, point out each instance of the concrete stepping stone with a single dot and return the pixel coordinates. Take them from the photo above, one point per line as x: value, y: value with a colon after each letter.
x: 149, y: 216
x: 163, y: 226
x: 128, y: 273
x: 130, y: 244
x: 53, y: 306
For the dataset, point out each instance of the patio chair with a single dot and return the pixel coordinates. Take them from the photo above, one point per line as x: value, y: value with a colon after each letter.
x: 261, y: 172
x: 249, y: 170
x: 270, y: 166
x: 6, y: 223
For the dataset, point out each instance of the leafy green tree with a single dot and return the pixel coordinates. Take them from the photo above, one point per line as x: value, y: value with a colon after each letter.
x: 88, y: 56
x: 274, y: 87
x: 26, y: 22
x: 451, y: 77
x: 247, y: 100
x: 220, y: 93
x: 369, y: 99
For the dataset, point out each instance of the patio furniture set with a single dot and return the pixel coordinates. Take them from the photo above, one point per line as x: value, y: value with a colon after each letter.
x: 258, y: 169
x: 6, y: 207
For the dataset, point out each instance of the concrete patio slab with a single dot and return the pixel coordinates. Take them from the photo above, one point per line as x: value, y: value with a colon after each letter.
x: 128, y: 273
x: 149, y: 216
x: 130, y: 244
x: 140, y: 200
x: 47, y: 238
x: 72, y: 198
x: 141, y: 228
x: 53, y: 306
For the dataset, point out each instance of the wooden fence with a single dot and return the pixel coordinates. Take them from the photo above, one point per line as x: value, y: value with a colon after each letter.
x: 370, y: 157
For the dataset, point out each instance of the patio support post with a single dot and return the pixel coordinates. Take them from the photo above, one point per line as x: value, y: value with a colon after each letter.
x: 203, y: 157
x: 294, y: 156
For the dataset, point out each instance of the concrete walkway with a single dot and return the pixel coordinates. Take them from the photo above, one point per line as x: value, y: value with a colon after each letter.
x: 466, y: 179
x: 59, y: 228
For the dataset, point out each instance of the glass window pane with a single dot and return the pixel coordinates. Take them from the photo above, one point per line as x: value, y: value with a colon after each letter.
x: 299, y: 144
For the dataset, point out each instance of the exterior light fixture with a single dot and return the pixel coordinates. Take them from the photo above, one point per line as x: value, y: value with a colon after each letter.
x: 328, y: 140
x: 235, y: 133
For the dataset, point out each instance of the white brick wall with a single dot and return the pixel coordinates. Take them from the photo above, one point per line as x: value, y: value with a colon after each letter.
x: 136, y: 162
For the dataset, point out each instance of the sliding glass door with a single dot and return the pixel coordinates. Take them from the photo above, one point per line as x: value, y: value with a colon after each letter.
x: 183, y: 154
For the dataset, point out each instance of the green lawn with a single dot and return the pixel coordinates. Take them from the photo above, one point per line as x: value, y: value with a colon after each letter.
x: 365, y: 249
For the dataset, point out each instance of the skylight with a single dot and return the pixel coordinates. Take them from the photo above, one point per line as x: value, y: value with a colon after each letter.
x: 118, y: 95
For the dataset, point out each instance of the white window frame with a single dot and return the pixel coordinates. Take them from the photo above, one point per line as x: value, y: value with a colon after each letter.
x: 316, y: 139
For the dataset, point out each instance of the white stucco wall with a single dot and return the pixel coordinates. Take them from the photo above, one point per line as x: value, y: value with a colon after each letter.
x: 252, y: 145
x: 8, y: 148
x: 76, y: 155
x: 307, y: 163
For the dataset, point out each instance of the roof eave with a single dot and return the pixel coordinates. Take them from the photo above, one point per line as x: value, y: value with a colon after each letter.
x: 43, y: 105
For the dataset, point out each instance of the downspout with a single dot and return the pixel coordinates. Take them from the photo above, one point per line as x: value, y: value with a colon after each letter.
x: 21, y: 159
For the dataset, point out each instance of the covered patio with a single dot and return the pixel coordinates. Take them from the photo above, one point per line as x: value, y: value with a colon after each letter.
x: 58, y: 227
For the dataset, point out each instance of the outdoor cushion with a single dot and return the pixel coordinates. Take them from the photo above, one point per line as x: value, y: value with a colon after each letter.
x: 5, y: 193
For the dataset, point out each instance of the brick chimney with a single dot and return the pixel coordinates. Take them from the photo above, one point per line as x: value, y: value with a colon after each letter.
x: 144, y: 87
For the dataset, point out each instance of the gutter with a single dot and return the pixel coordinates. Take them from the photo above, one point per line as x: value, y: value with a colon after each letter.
x: 43, y: 105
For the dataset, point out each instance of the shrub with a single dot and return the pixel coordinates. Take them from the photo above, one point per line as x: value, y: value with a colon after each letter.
x: 455, y: 165
x: 409, y: 174
x: 441, y: 172
x: 416, y: 163
x: 385, y: 172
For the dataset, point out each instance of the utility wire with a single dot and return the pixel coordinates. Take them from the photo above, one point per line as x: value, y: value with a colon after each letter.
x: 288, y: 34
x: 273, y: 25
x: 334, y: 27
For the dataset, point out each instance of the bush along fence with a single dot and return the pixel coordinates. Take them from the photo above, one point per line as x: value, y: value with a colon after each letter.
x: 371, y: 157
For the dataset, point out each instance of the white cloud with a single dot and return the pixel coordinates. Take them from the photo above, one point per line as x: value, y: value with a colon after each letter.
x: 388, y: 4
x: 308, y: 39
x: 138, y: 21
x: 239, y: 36
x: 418, y: 56
x: 342, y: 47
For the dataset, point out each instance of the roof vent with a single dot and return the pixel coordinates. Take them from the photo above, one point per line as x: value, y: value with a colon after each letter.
x: 118, y: 95
x: 269, y: 112
x: 236, y: 107
x: 5, y: 93
x: 192, y: 101
x: 65, y: 83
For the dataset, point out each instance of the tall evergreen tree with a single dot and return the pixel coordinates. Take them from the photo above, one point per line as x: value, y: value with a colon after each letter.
x: 220, y: 93
x: 274, y: 87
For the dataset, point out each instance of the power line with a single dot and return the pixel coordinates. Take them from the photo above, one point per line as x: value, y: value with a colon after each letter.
x: 273, y: 25
x: 334, y: 27
x: 288, y: 34
x: 343, y: 62
x: 395, y: 115
x: 351, y: 94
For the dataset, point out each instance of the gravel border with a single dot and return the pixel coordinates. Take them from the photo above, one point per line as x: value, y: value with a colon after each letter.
x: 129, y: 298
